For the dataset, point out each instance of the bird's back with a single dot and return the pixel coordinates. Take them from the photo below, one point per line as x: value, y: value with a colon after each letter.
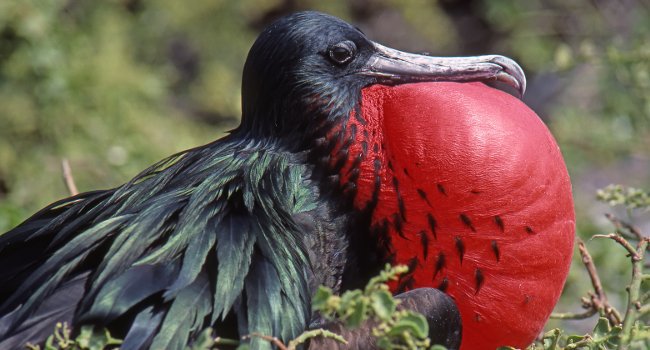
x: 224, y: 229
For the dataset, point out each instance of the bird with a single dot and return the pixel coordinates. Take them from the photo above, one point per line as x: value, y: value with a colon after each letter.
x: 237, y: 234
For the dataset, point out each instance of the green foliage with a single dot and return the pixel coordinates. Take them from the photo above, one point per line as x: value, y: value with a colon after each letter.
x: 305, y: 336
x: 603, y: 337
x: 84, y: 81
x: 395, y: 329
x: 630, y: 197
x: 604, y: 56
x: 206, y: 341
x: 88, y: 339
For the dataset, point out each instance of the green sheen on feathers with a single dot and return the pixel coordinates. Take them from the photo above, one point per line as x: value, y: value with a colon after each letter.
x: 164, y: 234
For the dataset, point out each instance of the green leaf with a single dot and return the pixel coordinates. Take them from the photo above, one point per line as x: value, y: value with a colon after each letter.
x: 350, y: 297
x: 551, y: 339
x: 440, y: 347
x: 574, y: 338
x: 641, y: 332
x: 320, y: 300
x: 383, y: 304
x: 614, y: 338
x: 602, y: 329
x: 349, y: 300
x: 358, y: 315
x: 91, y: 339
x: 412, y: 323
x: 49, y: 343
x: 384, y: 343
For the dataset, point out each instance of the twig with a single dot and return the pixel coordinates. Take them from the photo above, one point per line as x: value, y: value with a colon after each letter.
x: 623, y: 242
x: 302, y: 338
x: 645, y: 309
x: 225, y: 341
x: 633, y: 290
x: 67, y: 177
x: 620, y: 225
x: 597, y: 301
x: 273, y: 340
x: 574, y: 315
x: 588, y: 261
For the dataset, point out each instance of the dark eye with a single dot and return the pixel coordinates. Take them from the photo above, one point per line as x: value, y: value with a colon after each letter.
x: 342, y: 52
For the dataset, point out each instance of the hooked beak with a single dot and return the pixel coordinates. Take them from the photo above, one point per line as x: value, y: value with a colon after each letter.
x: 389, y: 66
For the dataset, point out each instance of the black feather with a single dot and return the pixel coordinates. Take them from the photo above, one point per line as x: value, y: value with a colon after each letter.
x: 119, y: 295
x: 153, y: 249
x: 142, y: 331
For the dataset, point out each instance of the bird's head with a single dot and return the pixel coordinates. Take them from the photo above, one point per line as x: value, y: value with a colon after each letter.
x: 308, y: 69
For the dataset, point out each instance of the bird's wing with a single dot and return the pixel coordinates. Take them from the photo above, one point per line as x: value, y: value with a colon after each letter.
x: 202, y: 235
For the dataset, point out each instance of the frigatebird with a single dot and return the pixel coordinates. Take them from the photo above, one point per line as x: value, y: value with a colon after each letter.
x: 235, y: 234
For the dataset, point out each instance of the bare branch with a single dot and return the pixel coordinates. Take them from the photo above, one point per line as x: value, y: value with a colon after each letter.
x: 621, y: 225
x: 623, y: 242
x: 225, y: 341
x: 588, y: 261
x: 67, y: 177
x: 574, y: 315
x: 597, y: 301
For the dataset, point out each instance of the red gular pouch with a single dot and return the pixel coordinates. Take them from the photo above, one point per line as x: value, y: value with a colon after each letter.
x: 469, y: 189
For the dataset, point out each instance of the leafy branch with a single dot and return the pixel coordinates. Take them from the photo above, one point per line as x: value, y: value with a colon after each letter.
x: 612, y: 331
x: 88, y: 339
x: 630, y: 197
x: 394, y: 329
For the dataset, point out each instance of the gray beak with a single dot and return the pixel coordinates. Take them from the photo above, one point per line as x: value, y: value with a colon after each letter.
x: 389, y: 66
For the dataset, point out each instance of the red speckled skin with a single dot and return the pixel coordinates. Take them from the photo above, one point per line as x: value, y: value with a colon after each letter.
x: 487, y: 170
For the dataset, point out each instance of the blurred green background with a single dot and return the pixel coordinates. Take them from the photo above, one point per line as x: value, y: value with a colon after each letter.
x: 114, y: 86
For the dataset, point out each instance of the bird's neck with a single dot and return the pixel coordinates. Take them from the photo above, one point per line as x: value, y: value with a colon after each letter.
x: 352, y: 155
x: 353, y: 150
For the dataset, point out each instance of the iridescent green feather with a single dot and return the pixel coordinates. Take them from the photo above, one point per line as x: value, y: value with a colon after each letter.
x: 227, y: 208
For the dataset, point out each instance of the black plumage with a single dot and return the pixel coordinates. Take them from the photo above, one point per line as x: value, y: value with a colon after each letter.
x: 205, y: 233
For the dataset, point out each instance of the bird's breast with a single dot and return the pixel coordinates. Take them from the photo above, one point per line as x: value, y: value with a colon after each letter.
x: 467, y: 186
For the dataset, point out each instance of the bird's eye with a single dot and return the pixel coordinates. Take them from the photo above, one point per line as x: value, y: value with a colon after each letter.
x: 342, y: 52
